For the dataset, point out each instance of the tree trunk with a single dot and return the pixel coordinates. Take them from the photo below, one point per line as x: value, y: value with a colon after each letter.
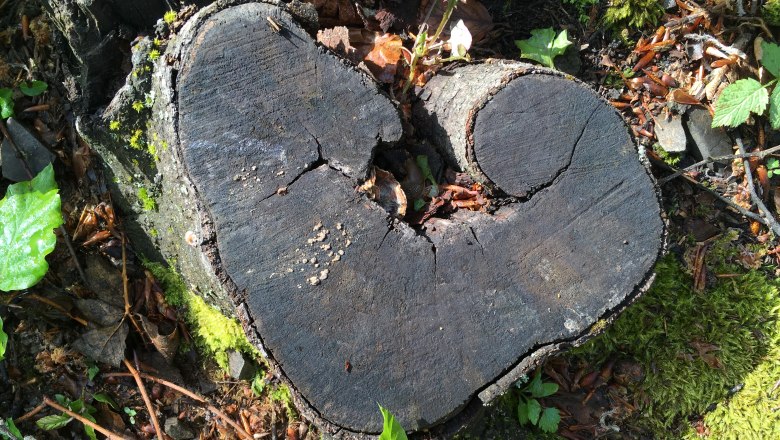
x: 261, y: 138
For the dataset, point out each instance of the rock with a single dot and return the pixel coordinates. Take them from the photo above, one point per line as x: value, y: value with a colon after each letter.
x: 670, y: 133
x: 36, y: 155
x: 707, y: 141
x: 239, y: 367
x: 177, y: 430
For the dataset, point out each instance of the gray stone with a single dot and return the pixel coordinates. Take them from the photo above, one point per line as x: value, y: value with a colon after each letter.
x: 670, y: 133
x: 34, y: 153
x: 177, y: 430
x: 239, y: 367
x: 707, y: 141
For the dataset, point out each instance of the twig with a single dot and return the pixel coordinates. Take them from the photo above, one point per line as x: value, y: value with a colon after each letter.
x: 192, y: 396
x: 714, y: 193
x: 770, y: 220
x: 142, y: 389
x: 31, y: 413
x: 109, y: 434
x: 758, y: 154
x: 30, y: 175
x: 54, y: 305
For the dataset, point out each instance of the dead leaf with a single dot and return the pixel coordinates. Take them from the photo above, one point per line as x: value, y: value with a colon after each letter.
x: 381, y: 52
x: 705, y: 351
x: 106, y: 344
x: 382, y: 187
x: 473, y: 13
x: 337, y: 40
x: 680, y: 96
x: 166, y: 344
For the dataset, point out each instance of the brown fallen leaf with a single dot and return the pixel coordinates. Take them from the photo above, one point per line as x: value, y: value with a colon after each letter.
x: 680, y: 96
x: 381, y: 52
x: 382, y: 188
x: 337, y: 40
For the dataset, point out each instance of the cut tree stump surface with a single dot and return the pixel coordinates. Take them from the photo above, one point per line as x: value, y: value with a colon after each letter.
x: 355, y: 309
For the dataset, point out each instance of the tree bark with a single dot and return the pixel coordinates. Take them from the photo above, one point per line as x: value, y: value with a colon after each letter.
x: 261, y: 138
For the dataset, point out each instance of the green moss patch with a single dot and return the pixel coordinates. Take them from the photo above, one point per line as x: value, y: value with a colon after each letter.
x: 214, y: 333
x: 695, y: 347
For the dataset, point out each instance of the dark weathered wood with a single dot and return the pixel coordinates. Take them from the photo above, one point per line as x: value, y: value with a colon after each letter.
x: 269, y: 135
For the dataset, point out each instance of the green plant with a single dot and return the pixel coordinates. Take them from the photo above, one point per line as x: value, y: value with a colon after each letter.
x: 258, y: 384
x: 29, y: 212
x: 771, y: 12
x: 3, y: 340
x: 57, y: 421
x: 773, y: 167
x: 6, y: 103
x: 391, y: 429
x: 746, y: 96
x: 13, y: 432
x: 529, y: 410
x: 635, y: 14
x: 147, y: 202
x: 33, y: 88
x: 131, y: 413
x: 544, y: 46
x: 582, y: 7
x: 425, y: 44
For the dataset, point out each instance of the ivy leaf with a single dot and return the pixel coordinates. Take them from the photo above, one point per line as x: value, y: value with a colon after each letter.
x: 27, y: 221
x: 534, y: 410
x: 544, y: 46
x: 33, y: 88
x: 774, y: 108
x: 17, y: 435
x: 391, y: 429
x: 3, y: 340
x: 42, y: 183
x: 770, y: 58
x: 54, y: 421
x: 549, y: 420
x: 737, y: 101
x: 6, y: 103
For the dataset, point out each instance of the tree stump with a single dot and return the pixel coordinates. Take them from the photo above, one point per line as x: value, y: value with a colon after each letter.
x: 268, y: 135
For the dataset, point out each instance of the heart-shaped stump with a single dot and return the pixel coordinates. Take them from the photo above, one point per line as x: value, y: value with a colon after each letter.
x: 269, y: 136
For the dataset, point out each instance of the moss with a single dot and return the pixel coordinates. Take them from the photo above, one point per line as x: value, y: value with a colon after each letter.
x: 154, y: 54
x: 136, y: 139
x: 153, y: 233
x: 138, y: 106
x: 169, y: 17
x: 281, y: 394
x: 671, y: 159
x: 739, y: 316
x: 771, y: 12
x: 635, y: 14
x: 148, y: 203
x: 214, y: 333
x: 114, y: 125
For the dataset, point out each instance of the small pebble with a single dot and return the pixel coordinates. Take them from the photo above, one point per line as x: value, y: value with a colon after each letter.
x: 237, y: 177
x: 313, y: 260
x: 336, y: 258
x: 254, y: 167
x: 313, y: 280
x: 317, y: 227
x: 339, y: 226
x: 349, y: 242
x: 325, y: 247
x: 341, y: 251
x: 324, y: 274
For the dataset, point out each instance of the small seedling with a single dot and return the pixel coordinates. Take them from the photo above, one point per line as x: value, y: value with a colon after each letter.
x: 544, y: 46
x: 131, y: 413
x: 529, y: 410
x: 773, y: 167
x: 33, y: 88
x: 57, y: 421
x: 746, y: 96
x: 391, y: 429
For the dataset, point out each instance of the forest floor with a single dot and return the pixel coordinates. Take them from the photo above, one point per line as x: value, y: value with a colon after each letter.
x: 696, y: 356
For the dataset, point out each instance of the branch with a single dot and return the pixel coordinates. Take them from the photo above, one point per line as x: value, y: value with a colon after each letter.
x: 142, y: 389
x: 110, y: 435
x: 730, y: 157
x: 770, y: 220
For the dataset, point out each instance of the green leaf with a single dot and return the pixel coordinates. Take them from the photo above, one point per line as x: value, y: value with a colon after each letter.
x: 425, y: 168
x: 101, y: 397
x: 27, y: 221
x: 773, y: 163
x: 737, y: 101
x: 774, y: 108
x: 33, y: 88
x: 3, y: 340
x: 90, y: 431
x: 770, y: 58
x: 54, y: 421
x: 391, y: 429
x: 92, y: 371
x: 42, y: 183
x: 258, y: 384
x: 418, y: 204
x: 549, y: 420
x: 534, y: 409
x: 544, y: 46
x: 547, y: 389
x: 131, y: 413
x: 522, y: 413
x: 6, y: 103
x: 536, y: 387
x: 9, y: 422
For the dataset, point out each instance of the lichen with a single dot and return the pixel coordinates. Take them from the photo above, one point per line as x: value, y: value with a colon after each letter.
x: 214, y: 333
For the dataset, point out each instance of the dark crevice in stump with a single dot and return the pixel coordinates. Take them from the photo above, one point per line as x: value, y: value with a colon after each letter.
x: 269, y: 137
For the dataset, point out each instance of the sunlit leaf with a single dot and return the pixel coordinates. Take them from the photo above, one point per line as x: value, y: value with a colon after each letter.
x: 737, y: 101
x: 544, y: 46
x: 391, y: 429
